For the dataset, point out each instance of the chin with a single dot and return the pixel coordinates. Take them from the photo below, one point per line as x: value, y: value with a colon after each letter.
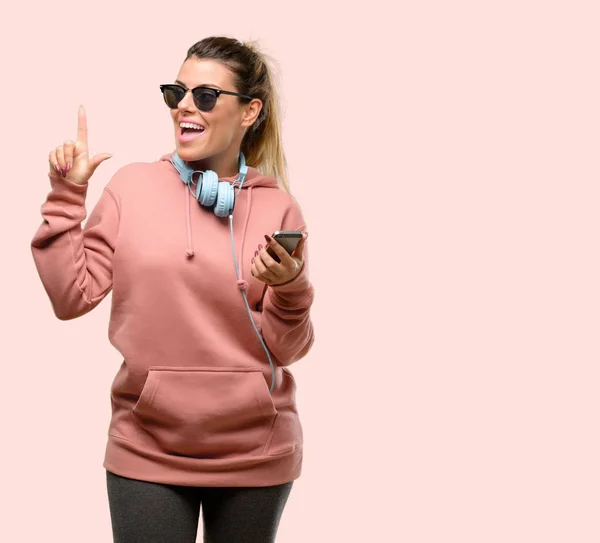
x: 189, y: 154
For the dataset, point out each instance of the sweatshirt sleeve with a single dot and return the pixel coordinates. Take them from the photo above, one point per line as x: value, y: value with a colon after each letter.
x: 75, y: 263
x: 286, y: 324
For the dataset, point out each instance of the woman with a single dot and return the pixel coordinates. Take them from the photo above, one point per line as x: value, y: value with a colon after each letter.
x: 203, y: 405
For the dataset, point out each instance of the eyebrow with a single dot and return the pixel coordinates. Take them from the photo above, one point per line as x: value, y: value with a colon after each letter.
x: 205, y: 85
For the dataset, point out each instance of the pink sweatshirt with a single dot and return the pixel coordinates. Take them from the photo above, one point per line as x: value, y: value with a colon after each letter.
x: 191, y: 401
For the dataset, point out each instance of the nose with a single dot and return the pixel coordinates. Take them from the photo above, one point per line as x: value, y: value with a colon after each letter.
x: 187, y: 102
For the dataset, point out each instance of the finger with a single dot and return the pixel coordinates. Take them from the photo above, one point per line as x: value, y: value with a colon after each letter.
x: 269, y: 261
x: 255, y: 273
x: 60, y: 158
x: 262, y: 270
x: 299, y: 250
x: 69, y: 148
x: 96, y: 160
x: 82, y: 130
x: 54, y: 161
x: 278, y: 249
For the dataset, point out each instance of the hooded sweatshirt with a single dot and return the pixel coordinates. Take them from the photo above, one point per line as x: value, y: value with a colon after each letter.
x: 191, y: 401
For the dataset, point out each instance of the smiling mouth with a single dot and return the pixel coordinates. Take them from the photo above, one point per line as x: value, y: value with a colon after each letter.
x: 187, y: 126
x: 188, y: 134
x: 185, y: 130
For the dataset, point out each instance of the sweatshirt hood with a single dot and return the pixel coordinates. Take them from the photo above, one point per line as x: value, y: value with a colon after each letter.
x: 254, y: 178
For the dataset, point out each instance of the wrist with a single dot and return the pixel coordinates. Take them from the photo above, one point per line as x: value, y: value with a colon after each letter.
x: 293, y: 280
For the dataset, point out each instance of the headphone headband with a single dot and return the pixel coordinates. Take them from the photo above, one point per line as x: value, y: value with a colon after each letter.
x: 210, y: 191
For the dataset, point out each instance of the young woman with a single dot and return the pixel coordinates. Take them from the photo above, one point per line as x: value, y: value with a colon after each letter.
x: 204, y: 415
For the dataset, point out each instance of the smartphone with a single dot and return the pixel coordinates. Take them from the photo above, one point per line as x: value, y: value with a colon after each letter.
x: 288, y: 239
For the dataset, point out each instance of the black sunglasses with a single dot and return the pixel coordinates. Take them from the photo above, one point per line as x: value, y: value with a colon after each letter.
x: 205, y: 98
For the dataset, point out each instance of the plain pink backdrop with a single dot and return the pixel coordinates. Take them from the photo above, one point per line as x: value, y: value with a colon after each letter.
x: 445, y: 155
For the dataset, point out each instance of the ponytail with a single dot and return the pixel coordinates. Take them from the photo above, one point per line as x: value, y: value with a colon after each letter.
x: 262, y: 144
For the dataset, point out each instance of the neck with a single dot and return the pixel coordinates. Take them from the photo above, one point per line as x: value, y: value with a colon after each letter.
x: 224, y: 166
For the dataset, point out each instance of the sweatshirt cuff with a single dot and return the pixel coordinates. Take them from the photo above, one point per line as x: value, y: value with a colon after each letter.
x: 63, y: 187
x: 294, y: 292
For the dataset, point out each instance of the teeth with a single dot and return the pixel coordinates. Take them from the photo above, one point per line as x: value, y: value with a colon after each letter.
x: 191, y: 126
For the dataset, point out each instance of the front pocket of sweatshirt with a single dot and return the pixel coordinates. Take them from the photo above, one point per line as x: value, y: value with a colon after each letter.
x: 206, y: 412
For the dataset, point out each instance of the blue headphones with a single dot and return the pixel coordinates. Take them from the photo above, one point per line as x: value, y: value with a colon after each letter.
x: 211, y: 192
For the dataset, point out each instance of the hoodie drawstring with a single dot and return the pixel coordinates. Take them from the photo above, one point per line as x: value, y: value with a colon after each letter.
x: 242, y: 284
x: 190, y: 249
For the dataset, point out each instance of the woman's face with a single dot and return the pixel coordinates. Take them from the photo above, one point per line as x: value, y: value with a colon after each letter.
x: 217, y: 147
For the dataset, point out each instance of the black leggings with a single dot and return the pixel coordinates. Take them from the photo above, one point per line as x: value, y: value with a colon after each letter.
x: 147, y: 512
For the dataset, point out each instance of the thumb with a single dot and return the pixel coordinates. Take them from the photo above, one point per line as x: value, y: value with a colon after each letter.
x: 298, y: 252
x: 97, y: 160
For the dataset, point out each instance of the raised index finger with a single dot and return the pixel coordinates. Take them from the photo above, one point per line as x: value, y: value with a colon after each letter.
x: 82, y: 132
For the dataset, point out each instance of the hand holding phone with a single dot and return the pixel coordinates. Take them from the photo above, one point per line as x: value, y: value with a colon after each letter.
x: 288, y: 239
x: 282, y: 241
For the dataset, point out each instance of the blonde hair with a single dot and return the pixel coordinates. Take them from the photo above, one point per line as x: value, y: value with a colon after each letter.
x: 262, y: 144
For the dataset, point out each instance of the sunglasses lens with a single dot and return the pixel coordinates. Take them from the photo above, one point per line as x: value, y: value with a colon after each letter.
x: 172, y: 95
x: 205, y: 99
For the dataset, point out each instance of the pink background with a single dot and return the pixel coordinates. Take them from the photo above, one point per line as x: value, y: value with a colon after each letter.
x: 446, y: 158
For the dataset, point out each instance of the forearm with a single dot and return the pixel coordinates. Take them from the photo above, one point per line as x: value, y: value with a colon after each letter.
x: 74, y: 264
x: 286, y: 324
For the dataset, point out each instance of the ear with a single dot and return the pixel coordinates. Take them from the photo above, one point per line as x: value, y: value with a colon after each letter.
x: 251, y: 112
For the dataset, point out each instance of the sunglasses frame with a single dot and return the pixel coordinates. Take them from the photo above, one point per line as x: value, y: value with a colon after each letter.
x: 218, y: 92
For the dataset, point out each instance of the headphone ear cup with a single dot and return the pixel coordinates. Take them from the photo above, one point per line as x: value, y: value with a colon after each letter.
x: 210, y: 187
x: 225, y: 199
